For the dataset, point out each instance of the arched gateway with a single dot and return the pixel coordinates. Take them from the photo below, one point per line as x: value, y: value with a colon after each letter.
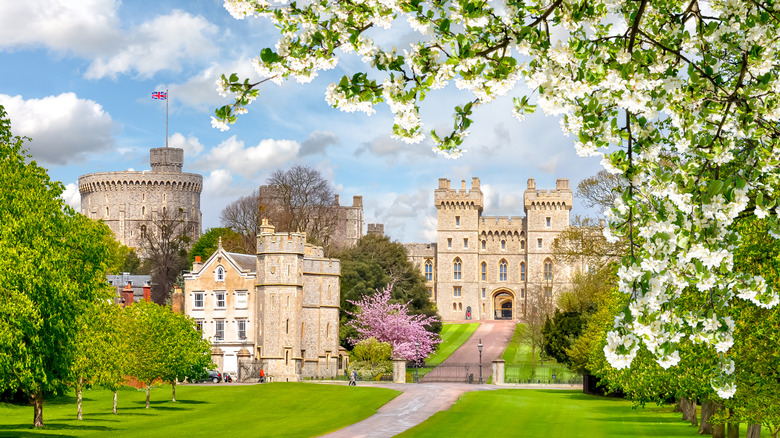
x: 503, y: 304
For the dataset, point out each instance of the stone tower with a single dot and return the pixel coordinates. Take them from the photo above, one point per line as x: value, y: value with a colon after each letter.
x: 458, y: 214
x: 129, y: 201
x: 280, y: 290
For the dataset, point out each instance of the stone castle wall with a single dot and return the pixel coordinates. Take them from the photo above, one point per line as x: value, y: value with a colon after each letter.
x: 129, y: 201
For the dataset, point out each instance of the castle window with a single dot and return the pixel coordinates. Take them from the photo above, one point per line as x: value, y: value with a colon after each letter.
x: 449, y: 243
x: 460, y: 306
x: 457, y: 221
x: 522, y: 293
x: 539, y: 243
x: 454, y: 306
x: 241, y: 300
x: 548, y: 292
x: 199, y: 325
x: 522, y: 244
x: 219, y: 329
x: 548, y: 270
x: 456, y: 273
x: 522, y: 271
x: 457, y: 292
x: 430, y: 292
x: 503, y: 245
x: 484, y: 245
x: 241, y: 328
x: 484, y: 271
x: 327, y: 331
x: 428, y: 270
x: 198, y: 300
x: 220, y: 300
x: 465, y: 243
x: 220, y: 274
x: 164, y: 211
x: 483, y: 295
x: 106, y: 211
x: 502, y: 271
x: 548, y: 222
x: 143, y: 211
x: 287, y: 326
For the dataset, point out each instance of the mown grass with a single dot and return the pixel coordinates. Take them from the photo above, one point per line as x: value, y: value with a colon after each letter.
x: 452, y: 337
x: 268, y: 410
x: 521, y: 366
x: 550, y: 413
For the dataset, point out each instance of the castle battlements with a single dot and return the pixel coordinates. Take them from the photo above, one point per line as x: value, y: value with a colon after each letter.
x: 446, y: 197
x: 559, y: 199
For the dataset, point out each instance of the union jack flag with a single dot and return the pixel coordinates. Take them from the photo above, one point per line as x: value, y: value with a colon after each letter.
x: 162, y: 95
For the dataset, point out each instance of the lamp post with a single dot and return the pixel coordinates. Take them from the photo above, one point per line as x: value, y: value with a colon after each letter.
x: 479, y: 347
x: 416, y: 360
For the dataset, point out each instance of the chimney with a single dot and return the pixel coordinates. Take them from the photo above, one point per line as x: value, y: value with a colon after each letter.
x: 127, y: 294
x: 177, y: 301
x: 147, y: 292
x: 197, y: 265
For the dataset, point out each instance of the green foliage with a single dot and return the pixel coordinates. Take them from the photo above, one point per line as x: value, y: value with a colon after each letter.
x: 371, y: 264
x: 559, y: 333
x: 372, y: 351
x: 209, y: 241
x: 52, y: 266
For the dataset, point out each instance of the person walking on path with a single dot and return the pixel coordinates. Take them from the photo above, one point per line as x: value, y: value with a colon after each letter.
x: 353, y: 378
x: 262, y: 376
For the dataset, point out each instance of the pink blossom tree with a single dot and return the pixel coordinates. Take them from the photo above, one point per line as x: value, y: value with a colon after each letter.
x: 393, y: 324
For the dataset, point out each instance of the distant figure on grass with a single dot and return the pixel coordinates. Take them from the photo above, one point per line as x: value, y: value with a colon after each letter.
x: 353, y: 378
x: 262, y: 376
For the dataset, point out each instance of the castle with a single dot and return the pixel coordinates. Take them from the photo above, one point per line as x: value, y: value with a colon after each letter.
x: 129, y: 201
x: 278, y: 309
x: 489, y: 267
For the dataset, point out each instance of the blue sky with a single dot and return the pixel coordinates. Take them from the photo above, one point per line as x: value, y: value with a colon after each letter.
x: 77, y: 78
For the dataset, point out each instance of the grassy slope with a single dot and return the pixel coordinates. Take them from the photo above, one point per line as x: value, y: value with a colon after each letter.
x: 519, y: 364
x: 549, y: 413
x: 452, y: 337
x: 274, y: 409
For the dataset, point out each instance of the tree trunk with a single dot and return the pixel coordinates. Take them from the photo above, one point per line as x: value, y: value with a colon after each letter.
x: 754, y: 431
x: 707, y: 409
x: 732, y: 431
x: 147, y: 396
x: 37, y: 399
x: 719, y: 431
x: 115, y: 401
x: 173, y: 385
x: 685, y: 408
x: 78, y: 397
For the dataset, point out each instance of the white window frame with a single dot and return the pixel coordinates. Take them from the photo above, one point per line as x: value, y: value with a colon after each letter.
x: 219, y: 274
x: 195, y: 300
x: 241, y: 328
x: 219, y: 329
x: 242, y: 299
x: 217, y: 300
x: 457, y: 292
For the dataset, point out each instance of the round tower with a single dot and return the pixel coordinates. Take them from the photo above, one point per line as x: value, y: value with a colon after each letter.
x: 129, y: 201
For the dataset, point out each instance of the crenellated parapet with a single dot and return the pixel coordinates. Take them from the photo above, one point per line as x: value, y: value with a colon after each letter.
x: 135, y: 180
x: 559, y: 199
x: 449, y: 198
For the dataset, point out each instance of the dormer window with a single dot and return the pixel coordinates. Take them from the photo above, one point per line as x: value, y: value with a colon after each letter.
x: 220, y: 274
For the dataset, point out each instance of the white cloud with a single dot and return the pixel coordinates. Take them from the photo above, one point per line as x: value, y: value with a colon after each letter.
x: 191, y: 144
x: 550, y: 166
x: 429, y: 229
x: 512, y: 202
x: 62, y: 128
x: 83, y: 27
x: 162, y: 43
x: 200, y: 90
x: 233, y: 156
x: 218, y: 183
x: 318, y: 141
x: 72, y: 197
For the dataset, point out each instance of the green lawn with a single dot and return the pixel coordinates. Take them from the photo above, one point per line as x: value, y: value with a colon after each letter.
x: 268, y: 410
x: 452, y: 337
x: 520, y: 367
x: 550, y: 413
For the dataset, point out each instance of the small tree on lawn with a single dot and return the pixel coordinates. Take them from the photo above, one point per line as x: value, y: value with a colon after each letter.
x: 182, y: 349
x: 392, y: 323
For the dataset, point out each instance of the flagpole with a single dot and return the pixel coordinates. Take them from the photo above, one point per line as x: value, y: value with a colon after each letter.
x: 166, y: 117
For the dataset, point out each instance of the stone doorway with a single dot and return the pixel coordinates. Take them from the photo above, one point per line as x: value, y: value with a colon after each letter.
x: 503, y: 305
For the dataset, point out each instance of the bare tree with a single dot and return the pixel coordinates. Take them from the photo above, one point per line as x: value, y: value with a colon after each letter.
x: 601, y: 189
x: 583, y: 245
x: 537, y: 310
x: 165, y: 247
x: 297, y: 199
x: 243, y: 216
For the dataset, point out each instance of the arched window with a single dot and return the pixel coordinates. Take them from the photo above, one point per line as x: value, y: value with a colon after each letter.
x: 503, y: 245
x: 454, y: 306
x: 428, y: 270
x: 522, y: 244
x: 484, y: 244
x: 143, y: 231
x: 484, y: 271
x: 502, y: 270
x: 456, y: 272
x: 548, y: 270
x: 143, y: 211
x: 287, y: 326
x: 522, y: 271
x: 220, y: 274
